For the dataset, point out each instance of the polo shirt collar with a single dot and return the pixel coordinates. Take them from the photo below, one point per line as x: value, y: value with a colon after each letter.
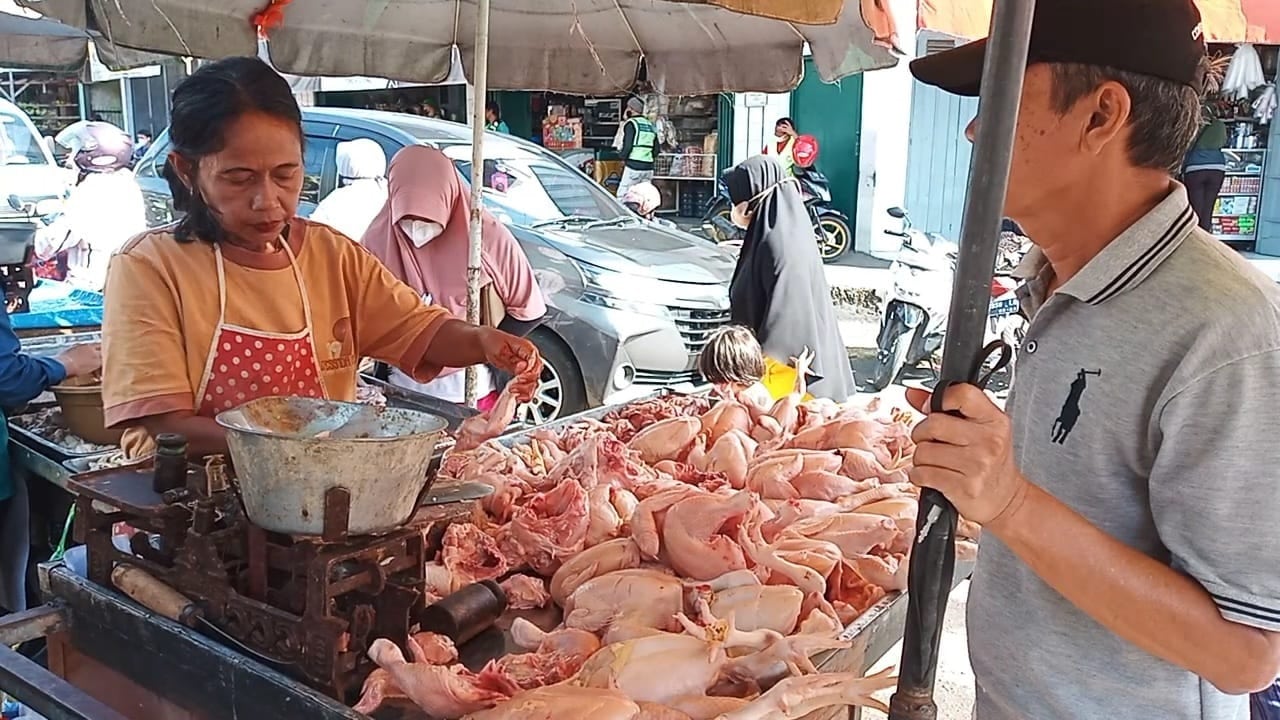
x: 1124, y: 263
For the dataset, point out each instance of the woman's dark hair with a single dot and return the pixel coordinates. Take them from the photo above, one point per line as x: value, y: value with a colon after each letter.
x: 493, y: 107
x: 732, y: 355
x: 204, y: 106
x: 785, y: 121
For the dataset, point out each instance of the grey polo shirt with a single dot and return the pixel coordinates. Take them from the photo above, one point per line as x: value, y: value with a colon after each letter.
x: 1145, y: 399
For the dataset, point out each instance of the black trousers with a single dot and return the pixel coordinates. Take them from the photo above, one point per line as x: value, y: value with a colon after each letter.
x: 1203, y: 187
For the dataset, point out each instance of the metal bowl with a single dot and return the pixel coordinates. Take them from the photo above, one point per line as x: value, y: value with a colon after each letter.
x: 289, y: 451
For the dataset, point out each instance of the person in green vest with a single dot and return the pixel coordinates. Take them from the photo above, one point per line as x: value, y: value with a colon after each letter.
x: 22, y: 378
x: 493, y: 119
x: 639, y: 143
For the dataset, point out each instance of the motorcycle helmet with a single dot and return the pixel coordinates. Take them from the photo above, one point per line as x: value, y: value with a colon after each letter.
x: 805, y: 151
x: 643, y: 199
x: 97, y: 147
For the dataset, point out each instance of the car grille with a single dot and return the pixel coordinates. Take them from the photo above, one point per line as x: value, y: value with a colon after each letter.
x: 658, y: 377
x: 696, y: 326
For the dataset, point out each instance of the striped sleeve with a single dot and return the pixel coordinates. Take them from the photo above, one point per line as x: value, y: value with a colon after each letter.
x: 1215, y: 487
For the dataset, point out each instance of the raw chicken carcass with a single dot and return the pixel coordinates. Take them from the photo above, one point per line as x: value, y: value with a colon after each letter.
x: 666, y: 440
x: 646, y: 523
x: 564, y: 700
x: 756, y: 607
x: 731, y: 455
x: 708, y: 707
x: 771, y: 478
x: 552, y: 526
x: 828, y: 486
x: 798, y: 697
x: 525, y: 592
x: 886, y: 571
x: 620, y: 554
x: 691, y: 535
x: 725, y: 417
x: 646, y: 598
x: 784, y: 656
x: 658, y: 668
x: 565, y: 641
x: 470, y: 555
x: 443, y: 692
x: 475, y: 431
x: 854, y: 533
x: 604, y: 523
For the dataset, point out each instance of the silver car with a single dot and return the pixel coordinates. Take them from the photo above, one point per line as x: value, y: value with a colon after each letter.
x: 630, y: 303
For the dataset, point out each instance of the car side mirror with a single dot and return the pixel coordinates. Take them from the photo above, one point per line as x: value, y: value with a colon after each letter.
x: 15, y: 202
x: 897, y: 212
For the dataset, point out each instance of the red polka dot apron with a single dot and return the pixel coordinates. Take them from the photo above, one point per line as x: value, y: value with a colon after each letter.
x: 246, y: 364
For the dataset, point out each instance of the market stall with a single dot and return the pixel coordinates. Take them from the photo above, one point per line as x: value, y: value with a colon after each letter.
x: 1246, y: 105
x: 587, y: 132
x: 273, y: 640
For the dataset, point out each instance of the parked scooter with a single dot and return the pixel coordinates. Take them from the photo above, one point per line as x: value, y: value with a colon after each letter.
x: 831, y: 227
x: 914, y: 313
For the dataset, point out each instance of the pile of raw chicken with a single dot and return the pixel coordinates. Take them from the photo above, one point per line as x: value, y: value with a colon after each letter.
x: 693, y: 553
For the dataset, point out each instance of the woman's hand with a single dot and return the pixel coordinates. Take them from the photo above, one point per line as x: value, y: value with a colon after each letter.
x: 516, y: 356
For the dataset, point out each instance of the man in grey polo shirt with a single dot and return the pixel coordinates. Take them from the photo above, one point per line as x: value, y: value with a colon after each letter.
x: 1131, y: 562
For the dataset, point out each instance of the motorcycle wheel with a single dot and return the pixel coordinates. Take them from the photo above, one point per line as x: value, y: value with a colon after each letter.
x: 890, y: 361
x: 834, y: 237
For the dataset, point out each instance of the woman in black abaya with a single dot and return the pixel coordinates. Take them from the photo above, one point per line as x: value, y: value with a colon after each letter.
x: 779, y: 289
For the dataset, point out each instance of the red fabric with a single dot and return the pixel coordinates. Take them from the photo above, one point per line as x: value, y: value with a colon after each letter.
x: 270, y: 17
x: 488, y: 402
x: 248, y: 366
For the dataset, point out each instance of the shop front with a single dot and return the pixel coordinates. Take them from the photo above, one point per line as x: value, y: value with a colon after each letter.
x: 587, y: 131
x: 1247, y: 110
x: 1246, y: 214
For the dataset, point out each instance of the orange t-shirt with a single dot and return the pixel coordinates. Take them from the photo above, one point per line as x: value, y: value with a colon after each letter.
x: 161, y: 312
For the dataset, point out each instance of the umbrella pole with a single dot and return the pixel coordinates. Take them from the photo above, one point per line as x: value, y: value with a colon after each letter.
x: 933, y: 558
x: 480, y: 90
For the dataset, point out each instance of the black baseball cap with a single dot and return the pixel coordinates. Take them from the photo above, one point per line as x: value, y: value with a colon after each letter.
x: 1160, y: 38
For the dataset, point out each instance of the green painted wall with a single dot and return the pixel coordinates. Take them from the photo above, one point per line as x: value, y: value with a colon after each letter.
x: 833, y: 114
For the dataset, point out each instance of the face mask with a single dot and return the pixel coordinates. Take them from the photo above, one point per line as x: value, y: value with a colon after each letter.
x: 740, y: 216
x: 421, y: 232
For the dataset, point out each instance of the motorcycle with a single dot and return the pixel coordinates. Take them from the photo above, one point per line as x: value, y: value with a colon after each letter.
x: 915, y: 311
x: 17, y: 249
x: 830, y: 226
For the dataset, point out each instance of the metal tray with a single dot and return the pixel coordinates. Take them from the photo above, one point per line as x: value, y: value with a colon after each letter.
x: 50, y: 345
x: 55, y: 451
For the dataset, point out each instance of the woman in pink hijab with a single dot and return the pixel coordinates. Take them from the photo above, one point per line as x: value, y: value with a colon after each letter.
x: 421, y: 235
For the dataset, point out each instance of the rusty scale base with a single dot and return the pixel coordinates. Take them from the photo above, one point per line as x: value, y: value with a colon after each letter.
x: 312, y: 605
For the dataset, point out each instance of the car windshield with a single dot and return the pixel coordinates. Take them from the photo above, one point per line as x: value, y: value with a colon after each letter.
x: 18, y: 145
x: 537, y: 189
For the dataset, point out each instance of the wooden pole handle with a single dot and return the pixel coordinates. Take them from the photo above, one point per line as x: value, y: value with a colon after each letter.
x: 154, y: 595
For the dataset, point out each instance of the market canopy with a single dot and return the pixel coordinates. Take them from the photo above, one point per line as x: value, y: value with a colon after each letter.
x: 35, y: 43
x: 1256, y: 21
x: 687, y: 47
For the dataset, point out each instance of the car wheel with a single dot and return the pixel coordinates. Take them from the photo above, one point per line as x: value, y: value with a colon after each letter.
x: 561, y: 391
x: 834, y: 239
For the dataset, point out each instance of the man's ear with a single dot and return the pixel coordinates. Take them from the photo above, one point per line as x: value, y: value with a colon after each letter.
x: 1109, y: 110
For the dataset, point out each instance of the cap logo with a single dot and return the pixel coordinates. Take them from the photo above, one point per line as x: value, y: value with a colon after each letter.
x: 1198, y: 32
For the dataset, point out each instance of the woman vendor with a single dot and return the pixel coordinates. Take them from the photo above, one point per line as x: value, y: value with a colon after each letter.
x: 779, y: 289
x: 240, y: 299
x: 422, y: 236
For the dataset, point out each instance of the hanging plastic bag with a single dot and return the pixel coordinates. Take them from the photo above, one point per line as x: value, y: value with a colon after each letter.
x: 1244, y: 75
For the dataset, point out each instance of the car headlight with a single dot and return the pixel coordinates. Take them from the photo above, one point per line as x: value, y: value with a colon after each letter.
x: 619, y: 291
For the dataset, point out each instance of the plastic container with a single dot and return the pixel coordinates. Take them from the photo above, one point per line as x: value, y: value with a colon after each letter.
x: 288, y: 452
x: 81, y: 403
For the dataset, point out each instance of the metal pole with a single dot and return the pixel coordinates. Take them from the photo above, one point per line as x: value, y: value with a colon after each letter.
x: 480, y: 83
x: 933, y: 557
